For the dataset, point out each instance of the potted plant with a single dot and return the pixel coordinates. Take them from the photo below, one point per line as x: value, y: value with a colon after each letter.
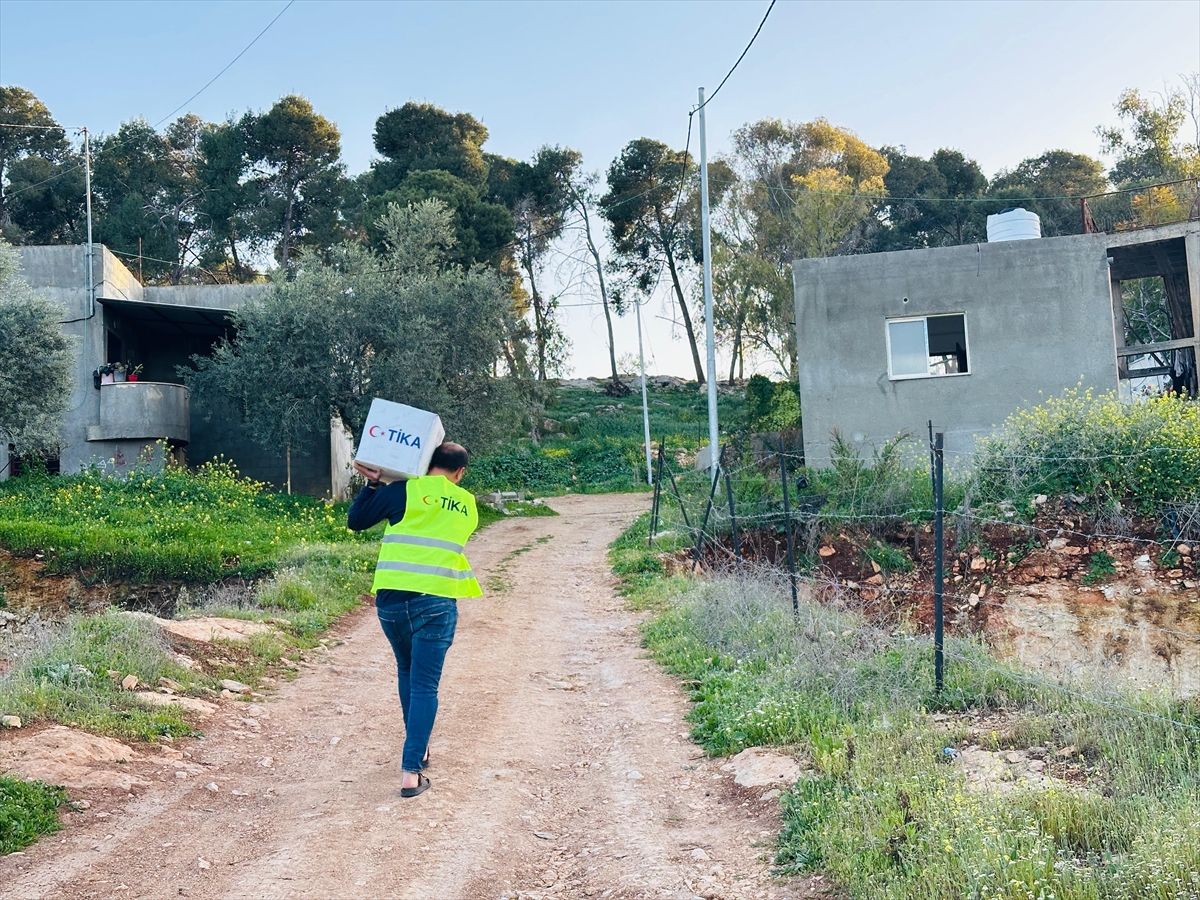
x: 118, y: 373
x: 134, y: 374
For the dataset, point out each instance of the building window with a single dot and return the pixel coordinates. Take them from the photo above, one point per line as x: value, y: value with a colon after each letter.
x: 925, y: 346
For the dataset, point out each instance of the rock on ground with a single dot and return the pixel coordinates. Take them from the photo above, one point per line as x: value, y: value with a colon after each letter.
x: 756, y: 767
x: 72, y: 758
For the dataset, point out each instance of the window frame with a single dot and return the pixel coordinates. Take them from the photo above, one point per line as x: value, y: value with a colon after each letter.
x: 924, y: 318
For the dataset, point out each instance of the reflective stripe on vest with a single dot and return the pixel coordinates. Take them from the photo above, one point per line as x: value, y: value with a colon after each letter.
x: 423, y: 552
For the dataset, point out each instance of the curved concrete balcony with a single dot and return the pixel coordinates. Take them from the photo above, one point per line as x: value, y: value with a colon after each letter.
x: 143, y: 410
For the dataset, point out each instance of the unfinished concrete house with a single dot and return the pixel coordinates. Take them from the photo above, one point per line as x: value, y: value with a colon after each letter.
x: 128, y: 401
x: 965, y: 335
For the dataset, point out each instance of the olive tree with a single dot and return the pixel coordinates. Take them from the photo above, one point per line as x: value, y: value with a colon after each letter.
x: 405, y: 324
x: 35, y: 362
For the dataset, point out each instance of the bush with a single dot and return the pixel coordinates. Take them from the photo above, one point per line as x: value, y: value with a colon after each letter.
x: 64, y: 677
x: 583, y: 465
x: 1098, y: 446
x: 772, y: 406
x: 884, y: 486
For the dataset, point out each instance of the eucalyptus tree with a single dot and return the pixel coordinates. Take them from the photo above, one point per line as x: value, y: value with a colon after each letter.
x: 584, y: 201
x: 648, y: 225
x: 796, y: 190
x: 540, y: 196
x: 1149, y: 144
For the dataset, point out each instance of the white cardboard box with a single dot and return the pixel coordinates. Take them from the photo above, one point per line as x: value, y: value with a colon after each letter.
x: 399, y: 440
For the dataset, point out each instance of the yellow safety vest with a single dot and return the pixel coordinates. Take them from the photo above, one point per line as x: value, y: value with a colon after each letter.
x: 424, y: 551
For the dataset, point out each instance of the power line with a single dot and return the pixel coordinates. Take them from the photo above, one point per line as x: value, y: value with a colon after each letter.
x: 713, y: 95
x: 30, y: 187
x: 226, y: 69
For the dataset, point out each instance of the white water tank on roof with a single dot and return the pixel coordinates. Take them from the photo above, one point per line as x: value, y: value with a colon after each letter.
x: 1013, y: 225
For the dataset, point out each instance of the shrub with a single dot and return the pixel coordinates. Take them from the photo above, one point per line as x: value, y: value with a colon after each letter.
x: 883, y: 486
x: 64, y: 677
x: 1097, y: 446
x: 772, y: 406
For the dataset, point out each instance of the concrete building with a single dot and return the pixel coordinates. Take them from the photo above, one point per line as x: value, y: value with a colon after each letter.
x: 965, y: 335
x: 115, y: 424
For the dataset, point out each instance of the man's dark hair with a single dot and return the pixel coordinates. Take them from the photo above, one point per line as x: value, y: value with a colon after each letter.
x: 449, y: 456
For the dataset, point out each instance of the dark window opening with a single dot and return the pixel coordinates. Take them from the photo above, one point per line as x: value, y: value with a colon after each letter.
x: 926, y: 346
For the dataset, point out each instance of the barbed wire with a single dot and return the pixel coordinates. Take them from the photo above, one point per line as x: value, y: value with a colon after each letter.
x: 718, y: 544
x: 864, y: 632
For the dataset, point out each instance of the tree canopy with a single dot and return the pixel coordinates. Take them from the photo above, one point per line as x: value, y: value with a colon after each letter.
x: 407, y: 324
x: 35, y: 362
x: 200, y: 201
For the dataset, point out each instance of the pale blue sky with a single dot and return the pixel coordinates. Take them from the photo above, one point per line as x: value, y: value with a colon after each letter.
x: 999, y: 81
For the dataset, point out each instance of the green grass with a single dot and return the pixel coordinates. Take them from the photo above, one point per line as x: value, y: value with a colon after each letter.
x: 28, y: 809
x: 64, y: 678
x: 198, y: 527
x: 489, y: 515
x: 879, y: 811
x: 313, y: 587
x: 602, y: 448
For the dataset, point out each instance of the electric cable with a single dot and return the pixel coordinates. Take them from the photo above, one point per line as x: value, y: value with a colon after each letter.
x: 712, y: 96
x: 226, y: 69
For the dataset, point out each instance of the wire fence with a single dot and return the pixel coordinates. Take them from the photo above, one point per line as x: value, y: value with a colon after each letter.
x: 1106, y: 614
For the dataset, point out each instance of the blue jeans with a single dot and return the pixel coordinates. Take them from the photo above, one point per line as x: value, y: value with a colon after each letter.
x: 420, y: 630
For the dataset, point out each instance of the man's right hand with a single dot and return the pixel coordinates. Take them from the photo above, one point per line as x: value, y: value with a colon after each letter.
x: 367, y: 472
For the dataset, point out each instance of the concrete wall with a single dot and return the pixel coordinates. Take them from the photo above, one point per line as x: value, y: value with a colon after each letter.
x: 143, y: 409
x: 1038, y: 318
x: 60, y: 275
x: 341, y: 459
x: 225, y: 436
x: 205, y: 296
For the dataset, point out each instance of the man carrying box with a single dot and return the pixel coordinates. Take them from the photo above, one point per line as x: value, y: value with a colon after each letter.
x: 420, y: 574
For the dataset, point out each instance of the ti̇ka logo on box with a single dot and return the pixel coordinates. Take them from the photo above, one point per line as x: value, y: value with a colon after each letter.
x: 396, y: 436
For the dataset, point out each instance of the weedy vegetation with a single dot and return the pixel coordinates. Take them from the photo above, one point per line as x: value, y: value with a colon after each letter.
x: 28, y: 809
x: 199, y: 527
x: 879, y: 809
x: 884, y: 808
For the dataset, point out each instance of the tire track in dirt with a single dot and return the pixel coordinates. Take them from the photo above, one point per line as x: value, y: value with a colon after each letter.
x: 561, y: 767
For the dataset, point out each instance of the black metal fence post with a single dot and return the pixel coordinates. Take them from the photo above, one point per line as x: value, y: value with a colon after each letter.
x: 654, y: 505
x: 939, y: 550
x: 712, y: 493
x: 787, y: 526
x: 737, y: 549
x: 675, y: 487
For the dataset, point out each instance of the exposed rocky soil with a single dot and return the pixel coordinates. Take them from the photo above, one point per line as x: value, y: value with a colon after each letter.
x: 1059, y: 595
x: 561, y: 766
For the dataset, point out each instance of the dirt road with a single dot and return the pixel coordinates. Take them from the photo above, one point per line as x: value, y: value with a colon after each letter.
x: 560, y: 766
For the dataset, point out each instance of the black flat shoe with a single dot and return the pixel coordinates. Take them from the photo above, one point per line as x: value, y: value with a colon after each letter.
x: 422, y: 786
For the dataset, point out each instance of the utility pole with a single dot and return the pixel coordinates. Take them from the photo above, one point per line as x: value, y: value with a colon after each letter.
x: 87, y: 168
x: 713, y: 433
x: 645, y: 404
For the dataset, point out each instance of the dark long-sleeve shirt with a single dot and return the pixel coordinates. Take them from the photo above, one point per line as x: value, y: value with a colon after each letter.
x: 372, y: 506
